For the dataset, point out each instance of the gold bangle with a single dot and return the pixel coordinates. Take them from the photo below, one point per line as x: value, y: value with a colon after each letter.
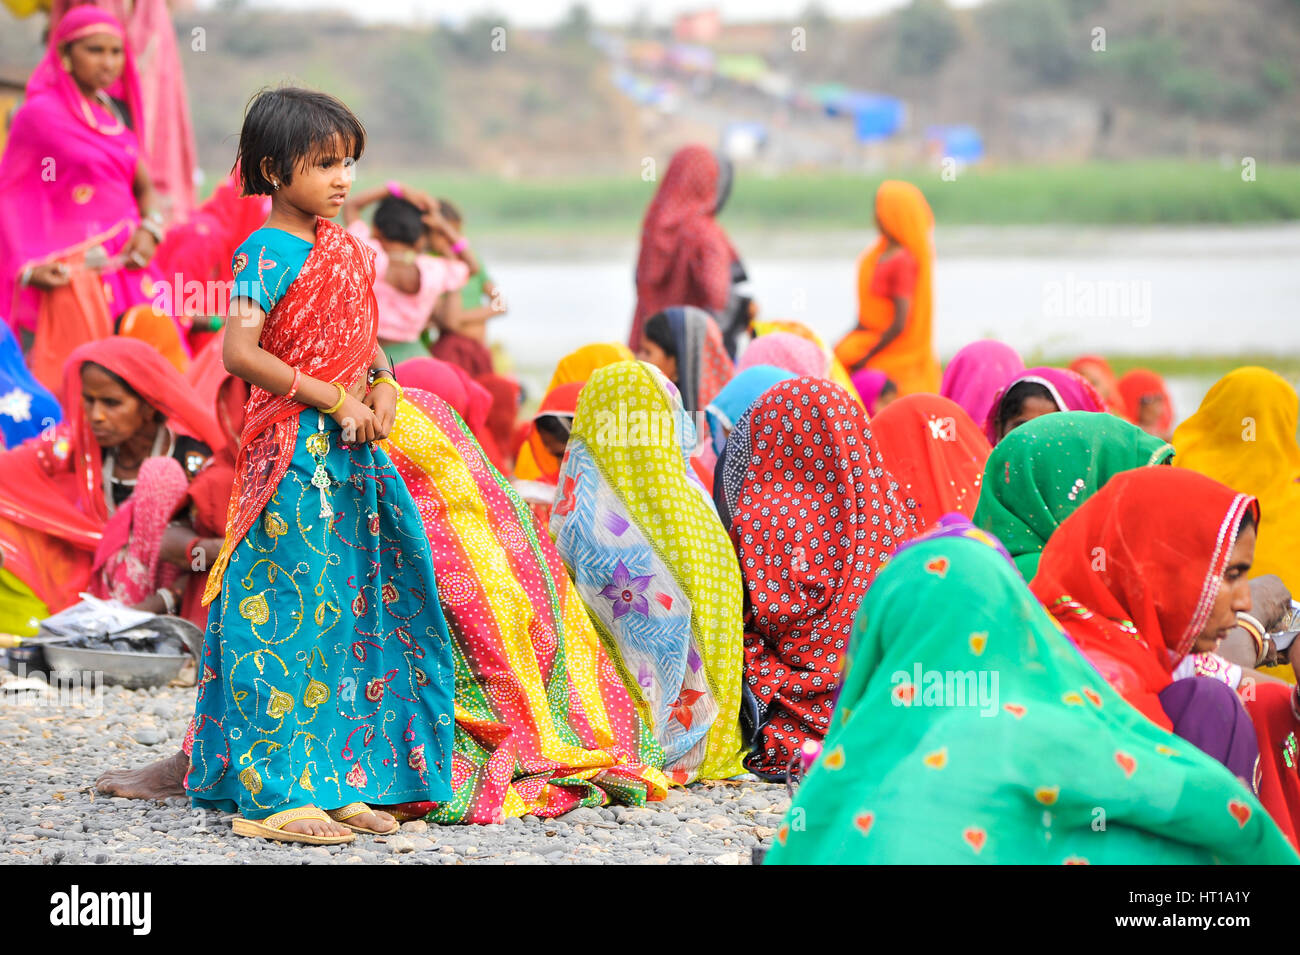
x: 386, y: 380
x: 343, y: 396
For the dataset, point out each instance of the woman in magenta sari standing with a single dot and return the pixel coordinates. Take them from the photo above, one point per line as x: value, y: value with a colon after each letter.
x: 78, y: 227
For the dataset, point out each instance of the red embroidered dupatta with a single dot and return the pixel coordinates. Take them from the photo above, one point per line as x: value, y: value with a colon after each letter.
x: 1133, y: 573
x: 326, y: 325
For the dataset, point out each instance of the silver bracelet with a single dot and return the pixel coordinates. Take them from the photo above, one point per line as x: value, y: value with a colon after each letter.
x: 169, y: 600
x: 153, y: 229
x: 26, y: 277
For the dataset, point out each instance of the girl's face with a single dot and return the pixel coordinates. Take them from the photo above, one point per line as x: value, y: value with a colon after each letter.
x: 114, y: 413
x: 1034, y: 406
x: 321, y: 182
x: 1234, y: 594
x: 652, y: 354
x: 96, y: 61
x: 1150, y: 411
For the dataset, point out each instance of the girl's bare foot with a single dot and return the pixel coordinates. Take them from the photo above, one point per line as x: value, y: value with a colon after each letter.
x: 161, y: 780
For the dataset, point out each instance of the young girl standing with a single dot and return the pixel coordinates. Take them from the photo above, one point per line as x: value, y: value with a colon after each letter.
x: 326, y: 680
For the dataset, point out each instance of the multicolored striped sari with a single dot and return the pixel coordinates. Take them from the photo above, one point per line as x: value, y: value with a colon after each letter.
x: 543, y: 722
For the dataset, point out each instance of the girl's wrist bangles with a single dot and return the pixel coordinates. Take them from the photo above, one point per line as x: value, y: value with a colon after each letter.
x: 385, y: 379
x: 343, y: 396
x: 460, y: 245
x: 297, y: 380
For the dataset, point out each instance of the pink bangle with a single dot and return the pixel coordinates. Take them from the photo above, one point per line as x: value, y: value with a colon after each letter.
x: 395, y: 188
x: 460, y: 245
x: 297, y: 378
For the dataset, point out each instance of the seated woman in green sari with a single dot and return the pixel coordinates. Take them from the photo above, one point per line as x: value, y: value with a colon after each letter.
x: 1028, y: 758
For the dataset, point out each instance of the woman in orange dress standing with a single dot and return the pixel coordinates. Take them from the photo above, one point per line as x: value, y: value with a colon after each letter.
x: 894, y: 332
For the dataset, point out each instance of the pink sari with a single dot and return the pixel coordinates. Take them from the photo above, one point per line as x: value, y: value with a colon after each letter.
x: 168, y: 136
x: 66, y: 180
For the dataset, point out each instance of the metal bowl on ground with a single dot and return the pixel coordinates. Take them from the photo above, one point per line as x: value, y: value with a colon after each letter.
x: 133, y: 671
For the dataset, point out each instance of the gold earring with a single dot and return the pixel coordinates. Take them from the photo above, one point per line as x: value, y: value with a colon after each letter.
x: 276, y: 184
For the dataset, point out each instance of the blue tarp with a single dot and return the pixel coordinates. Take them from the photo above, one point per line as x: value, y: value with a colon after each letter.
x: 874, y: 116
x: 962, y: 143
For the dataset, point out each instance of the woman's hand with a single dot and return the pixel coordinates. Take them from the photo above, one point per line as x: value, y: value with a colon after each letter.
x: 382, y: 400
x: 359, y: 424
x: 46, y: 277
x: 139, y: 250
x: 1269, y: 600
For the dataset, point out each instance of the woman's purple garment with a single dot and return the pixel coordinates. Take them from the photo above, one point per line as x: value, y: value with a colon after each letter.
x: 1207, y: 714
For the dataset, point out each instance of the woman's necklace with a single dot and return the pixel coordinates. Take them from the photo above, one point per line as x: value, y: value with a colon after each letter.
x: 164, y: 445
x: 104, y: 100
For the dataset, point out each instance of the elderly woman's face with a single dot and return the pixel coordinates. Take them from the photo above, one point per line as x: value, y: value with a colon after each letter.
x: 96, y: 61
x: 115, y: 414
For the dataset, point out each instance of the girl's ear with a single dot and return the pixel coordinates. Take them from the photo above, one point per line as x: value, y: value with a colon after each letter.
x: 267, y: 168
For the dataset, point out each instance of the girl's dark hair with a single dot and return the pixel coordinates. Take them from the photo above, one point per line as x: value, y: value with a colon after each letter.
x: 659, y: 331
x: 449, y: 211
x: 291, y: 127
x: 889, y: 387
x: 398, y: 220
x: 122, y: 383
x: 1015, y: 399
x: 1247, y: 521
x: 554, y: 425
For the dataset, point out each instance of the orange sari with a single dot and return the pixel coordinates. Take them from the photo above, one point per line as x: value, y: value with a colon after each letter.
x: 908, y: 360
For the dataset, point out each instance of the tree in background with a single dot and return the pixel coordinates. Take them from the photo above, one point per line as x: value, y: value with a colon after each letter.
x: 927, y: 35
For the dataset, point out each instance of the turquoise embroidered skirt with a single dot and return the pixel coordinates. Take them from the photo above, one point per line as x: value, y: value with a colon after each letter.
x: 327, y: 675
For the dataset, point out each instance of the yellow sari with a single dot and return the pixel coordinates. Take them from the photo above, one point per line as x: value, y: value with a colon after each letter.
x: 1244, y: 435
x: 574, y: 367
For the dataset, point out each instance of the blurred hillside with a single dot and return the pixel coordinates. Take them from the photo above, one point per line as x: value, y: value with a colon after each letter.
x: 1197, y: 79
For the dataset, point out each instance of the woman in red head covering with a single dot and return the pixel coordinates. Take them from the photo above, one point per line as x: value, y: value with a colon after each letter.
x: 1147, y: 403
x: 686, y: 258
x: 1148, y: 570
x: 935, y: 452
x: 64, y: 520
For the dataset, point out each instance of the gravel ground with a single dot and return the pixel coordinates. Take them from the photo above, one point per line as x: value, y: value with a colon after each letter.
x: 50, y: 814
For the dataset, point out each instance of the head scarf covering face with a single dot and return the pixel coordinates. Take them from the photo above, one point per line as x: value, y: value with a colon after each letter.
x: 1132, y: 575
x: 869, y: 384
x: 735, y: 398
x: 795, y: 354
x: 1069, y: 390
x: 1098, y: 373
x: 935, y: 452
x: 913, y: 772
x: 703, y: 365
x: 977, y: 373
x: 1243, y: 434
x: 564, y: 730
x: 685, y: 258
x: 654, y: 566
x: 816, y: 516
x: 1041, y: 472
x: 1139, y: 384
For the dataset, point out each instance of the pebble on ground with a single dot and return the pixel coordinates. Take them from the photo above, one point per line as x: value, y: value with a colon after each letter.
x: 50, y: 814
